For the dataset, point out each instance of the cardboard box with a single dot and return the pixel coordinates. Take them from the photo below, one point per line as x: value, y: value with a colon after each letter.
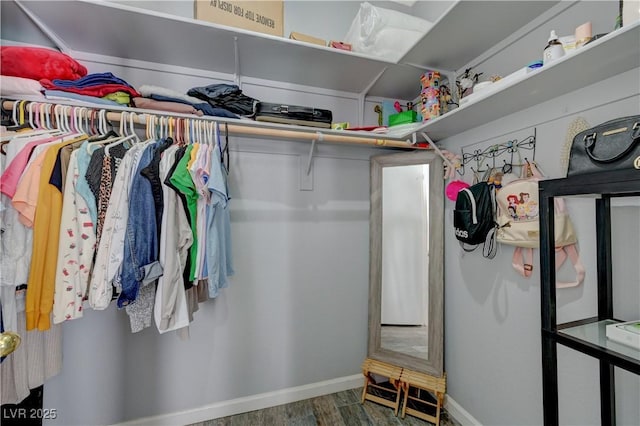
x: 261, y: 16
x: 307, y: 38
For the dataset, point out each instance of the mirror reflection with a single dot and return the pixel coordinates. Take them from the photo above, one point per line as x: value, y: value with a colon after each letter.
x: 406, y: 263
x: 405, y: 260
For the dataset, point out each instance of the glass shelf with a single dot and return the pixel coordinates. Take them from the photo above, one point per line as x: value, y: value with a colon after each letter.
x: 595, y: 333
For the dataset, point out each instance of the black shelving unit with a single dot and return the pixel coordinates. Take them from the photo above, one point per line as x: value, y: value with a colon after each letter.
x: 587, y: 336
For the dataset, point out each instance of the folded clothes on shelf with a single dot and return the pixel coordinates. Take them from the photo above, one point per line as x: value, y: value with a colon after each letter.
x: 179, y: 107
x: 97, y: 84
x: 204, y: 107
x: 227, y: 96
x: 122, y: 98
x: 70, y: 96
x: 91, y: 80
x: 99, y: 90
x: 163, y: 94
x: 149, y: 91
x: 12, y: 86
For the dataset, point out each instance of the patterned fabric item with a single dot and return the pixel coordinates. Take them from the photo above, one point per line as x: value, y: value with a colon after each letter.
x: 76, y: 248
x: 141, y: 311
x: 103, y: 194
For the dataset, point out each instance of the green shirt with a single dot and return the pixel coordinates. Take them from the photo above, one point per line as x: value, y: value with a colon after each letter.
x: 181, y: 178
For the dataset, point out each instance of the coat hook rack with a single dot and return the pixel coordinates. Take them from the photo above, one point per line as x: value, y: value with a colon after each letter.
x: 502, y: 155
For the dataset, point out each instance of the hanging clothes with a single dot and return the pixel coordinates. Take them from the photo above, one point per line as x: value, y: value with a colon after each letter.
x: 183, y: 202
x: 181, y: 179
x: 110, y: 251
x: 199, y: 171
x: 219, y: 257
x: 46, y: 227
x: 141, y: 311
x: 140, y: 264
x: 170, y: 311
x: 15, y: 246
x: 76, y: 248
x: 100, y: 220
x: 39, y: 357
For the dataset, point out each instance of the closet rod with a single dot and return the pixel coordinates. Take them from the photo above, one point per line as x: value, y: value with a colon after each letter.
x: 249, y: 130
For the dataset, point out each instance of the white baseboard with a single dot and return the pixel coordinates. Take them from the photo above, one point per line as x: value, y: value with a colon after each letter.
x: 251, y: 403
x: 458, y: 413
x: 283, y: 396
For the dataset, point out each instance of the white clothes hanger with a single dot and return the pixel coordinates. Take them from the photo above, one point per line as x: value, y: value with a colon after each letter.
x: 102, y: 122
x: 148, y: 131
x: 30, y: 110
x: 210, y: 127
x: 14, y: 113
x: 36, y: 120
x: 199, y: 128
x: 132, y: 136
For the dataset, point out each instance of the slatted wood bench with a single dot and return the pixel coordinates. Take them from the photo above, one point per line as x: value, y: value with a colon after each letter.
x: 423, y: 395
x: 376, y: 391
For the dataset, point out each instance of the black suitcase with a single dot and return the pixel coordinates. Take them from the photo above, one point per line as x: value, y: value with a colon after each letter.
x: 293, y: 114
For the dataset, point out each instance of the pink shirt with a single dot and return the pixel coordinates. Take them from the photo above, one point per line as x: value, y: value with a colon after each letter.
x: 11, y: 176
x: 26, y: 197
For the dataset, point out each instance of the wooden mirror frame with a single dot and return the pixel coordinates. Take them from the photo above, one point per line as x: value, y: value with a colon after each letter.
x: 434, y: 364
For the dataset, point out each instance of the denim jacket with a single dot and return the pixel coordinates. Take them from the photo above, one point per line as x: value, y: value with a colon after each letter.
x: 140, y: 265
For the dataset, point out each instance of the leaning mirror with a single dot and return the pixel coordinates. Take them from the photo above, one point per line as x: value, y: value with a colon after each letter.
x: 406, y: 261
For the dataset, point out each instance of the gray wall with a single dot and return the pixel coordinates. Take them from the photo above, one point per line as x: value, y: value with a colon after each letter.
x: 492, y: 314
x: 296, y: 312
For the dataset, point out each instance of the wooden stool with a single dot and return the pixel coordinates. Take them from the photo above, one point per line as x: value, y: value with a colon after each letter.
x: 423, y: 395
x: 376, y: 392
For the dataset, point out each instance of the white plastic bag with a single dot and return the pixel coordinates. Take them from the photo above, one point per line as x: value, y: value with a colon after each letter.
x: 385, y: 33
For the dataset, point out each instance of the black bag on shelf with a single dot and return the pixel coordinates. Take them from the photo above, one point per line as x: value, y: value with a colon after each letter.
x: 608, y: 146
x: 293, y: 114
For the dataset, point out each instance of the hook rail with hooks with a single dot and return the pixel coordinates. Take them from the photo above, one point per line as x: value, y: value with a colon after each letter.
x: 502, y: 155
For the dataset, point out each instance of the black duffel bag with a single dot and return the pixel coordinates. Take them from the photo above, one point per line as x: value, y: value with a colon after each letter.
x: 608, y: 146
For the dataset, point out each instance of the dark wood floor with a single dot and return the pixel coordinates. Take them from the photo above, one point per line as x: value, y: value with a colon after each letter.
x: 338, y: 409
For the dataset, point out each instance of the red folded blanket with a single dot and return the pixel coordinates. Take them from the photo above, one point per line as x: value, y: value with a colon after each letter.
x: 37, y: 63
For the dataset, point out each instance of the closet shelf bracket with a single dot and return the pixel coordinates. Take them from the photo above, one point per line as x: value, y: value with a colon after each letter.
x: 60, y: 45
x: 362, y: 96
x: 319, y: 137
x: 306, y: 172
x: 236, y: 76
x: 433, y: 146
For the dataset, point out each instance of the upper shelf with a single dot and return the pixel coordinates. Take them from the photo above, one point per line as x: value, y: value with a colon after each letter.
x: 126, y: 32
x: 470, y: 28
x: 129, y: 32
x: 613, y: 54
x: 133, y: 33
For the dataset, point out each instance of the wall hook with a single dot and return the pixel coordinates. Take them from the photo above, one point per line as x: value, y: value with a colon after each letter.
x: 505, y: 149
